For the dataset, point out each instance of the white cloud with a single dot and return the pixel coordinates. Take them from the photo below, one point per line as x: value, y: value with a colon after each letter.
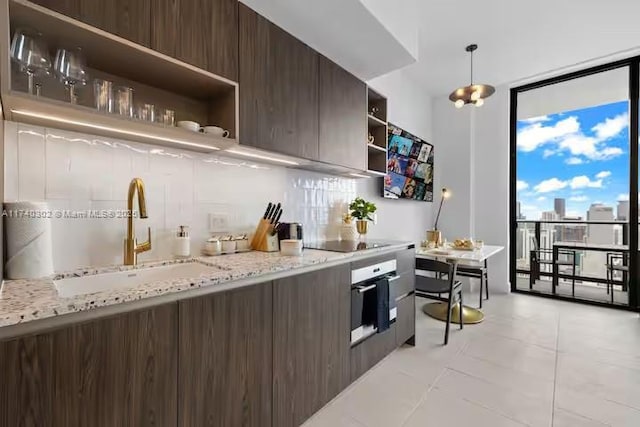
x: 549, y: 185
x: 541, y: 199
x: 578, y: 198
x: 537, y: 135
x: 521, y: 185
x: 536, y: 119
x: 611, y: 128
x: 567, y: 135
x: 583, y: 181
x: 623, y: 197
x: 603, y: 174
x: 574, y: 161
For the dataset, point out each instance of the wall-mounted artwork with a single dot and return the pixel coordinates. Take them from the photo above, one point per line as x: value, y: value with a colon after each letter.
x: 409, y: 166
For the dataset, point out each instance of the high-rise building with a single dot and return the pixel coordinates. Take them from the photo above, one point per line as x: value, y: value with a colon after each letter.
x: 594, y: 262
x: 623, y: 210
x: 559, y: 206
x: 550, y: 216
x: 519, y: 212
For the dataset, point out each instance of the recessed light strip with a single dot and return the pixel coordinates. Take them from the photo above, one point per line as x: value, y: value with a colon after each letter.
x: 357, y: 175
x: 260, y: 156
x: 111, y: 129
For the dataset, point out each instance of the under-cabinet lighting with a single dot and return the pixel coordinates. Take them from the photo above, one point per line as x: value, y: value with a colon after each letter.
x: 111, y: 129
x: 357, y: 175
x: 260, y: 156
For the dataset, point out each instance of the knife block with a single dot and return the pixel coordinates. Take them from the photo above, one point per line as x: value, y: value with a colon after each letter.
x: 262, y: 238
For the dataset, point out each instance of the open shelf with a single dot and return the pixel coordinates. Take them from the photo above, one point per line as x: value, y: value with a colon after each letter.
x: 377, y: 128
x: 375, y: 147
x: 375, y: 122
x: 51, y: 113
x: 194, y: 94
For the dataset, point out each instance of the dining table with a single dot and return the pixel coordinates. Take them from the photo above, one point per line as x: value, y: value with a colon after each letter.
x: 471, y: 256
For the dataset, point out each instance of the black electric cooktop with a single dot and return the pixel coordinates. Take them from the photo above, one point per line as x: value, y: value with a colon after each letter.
x: 347, y: 246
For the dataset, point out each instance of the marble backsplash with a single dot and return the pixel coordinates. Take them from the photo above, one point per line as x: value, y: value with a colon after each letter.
x: 80, y: 172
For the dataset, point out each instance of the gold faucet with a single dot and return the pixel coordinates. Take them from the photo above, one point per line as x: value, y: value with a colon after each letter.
x: 131, y: 249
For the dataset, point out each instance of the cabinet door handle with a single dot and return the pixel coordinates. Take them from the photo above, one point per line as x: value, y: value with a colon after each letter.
x: 391, y: 279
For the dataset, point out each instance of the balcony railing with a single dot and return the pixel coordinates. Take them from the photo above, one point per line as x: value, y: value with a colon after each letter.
x: 587, y: 277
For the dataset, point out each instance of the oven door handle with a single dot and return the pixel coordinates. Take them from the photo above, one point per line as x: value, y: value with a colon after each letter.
x: 363, y: 289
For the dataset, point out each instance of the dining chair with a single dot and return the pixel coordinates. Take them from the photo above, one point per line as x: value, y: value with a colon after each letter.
x: 617, y: 262
x: 566, y: 258
x: 444, y: 282
x: 479, y: 271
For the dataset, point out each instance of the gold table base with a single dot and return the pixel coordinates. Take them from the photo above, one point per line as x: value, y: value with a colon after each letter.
x: 438, y: 310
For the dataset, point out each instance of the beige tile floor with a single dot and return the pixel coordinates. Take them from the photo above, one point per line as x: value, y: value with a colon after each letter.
x: 533, y: 362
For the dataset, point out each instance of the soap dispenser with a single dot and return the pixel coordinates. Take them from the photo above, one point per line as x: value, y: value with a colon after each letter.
x: 182, y: 246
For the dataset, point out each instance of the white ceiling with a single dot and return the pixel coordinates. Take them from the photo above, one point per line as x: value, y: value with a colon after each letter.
x: 518, y: 39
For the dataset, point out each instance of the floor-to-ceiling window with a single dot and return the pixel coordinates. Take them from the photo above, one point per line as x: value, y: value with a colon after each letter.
x: 574, y: 179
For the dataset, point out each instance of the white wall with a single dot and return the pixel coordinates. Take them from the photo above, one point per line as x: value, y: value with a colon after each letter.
x: 79, y: 172
x: 474, y: 164
x: 409, y: 107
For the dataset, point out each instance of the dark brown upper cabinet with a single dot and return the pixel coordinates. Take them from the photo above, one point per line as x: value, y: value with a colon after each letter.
x: 278, y: 89
x: 129, y: 19
x: 203, y: 33
x: 225, y: 365
x: 119, y: 371
x: 311, y: 340
x: 342, y: 122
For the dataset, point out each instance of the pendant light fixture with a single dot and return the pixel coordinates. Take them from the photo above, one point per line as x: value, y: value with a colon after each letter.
x: 474, y: 93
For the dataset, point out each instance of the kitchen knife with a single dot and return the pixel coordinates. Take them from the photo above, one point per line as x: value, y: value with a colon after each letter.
x: 274, y: 213
x: 266, y: 213
x: 276, y: 227
x: 271, y: 212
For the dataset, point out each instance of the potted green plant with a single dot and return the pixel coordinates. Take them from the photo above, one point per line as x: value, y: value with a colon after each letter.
x: 361, y: 210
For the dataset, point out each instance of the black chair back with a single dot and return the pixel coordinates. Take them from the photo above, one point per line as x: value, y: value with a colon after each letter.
x: 436, y: 266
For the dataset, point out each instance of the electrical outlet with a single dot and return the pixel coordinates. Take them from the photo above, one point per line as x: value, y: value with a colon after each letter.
x: 375, y: 218
x: 218, y: 222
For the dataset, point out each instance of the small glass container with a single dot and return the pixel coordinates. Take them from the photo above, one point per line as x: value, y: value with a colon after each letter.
x: 167, y: 117
x: 213, y: 246
x: 228, y: 244
x: 124, y: 101
x: 147, y: 112
x: 103, y: 95
x: 242, y: 242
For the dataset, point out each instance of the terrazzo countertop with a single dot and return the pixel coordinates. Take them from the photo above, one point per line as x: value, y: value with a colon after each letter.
x: 23, y: 301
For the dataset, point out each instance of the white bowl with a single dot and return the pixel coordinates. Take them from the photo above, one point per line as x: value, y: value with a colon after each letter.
x: 291, y: 247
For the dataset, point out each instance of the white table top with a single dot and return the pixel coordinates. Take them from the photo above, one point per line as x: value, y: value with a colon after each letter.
x: 477, y: 255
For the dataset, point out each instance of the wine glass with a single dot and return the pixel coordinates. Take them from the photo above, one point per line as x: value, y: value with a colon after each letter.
x: 30, y: 52
x: 71, y: 69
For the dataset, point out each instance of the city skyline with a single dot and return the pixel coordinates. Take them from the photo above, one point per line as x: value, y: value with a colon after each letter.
x: 580, y: 156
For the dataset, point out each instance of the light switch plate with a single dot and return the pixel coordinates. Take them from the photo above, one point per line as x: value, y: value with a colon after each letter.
x: 218, y: 222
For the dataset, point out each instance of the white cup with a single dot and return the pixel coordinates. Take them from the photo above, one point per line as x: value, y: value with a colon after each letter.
x: 291, y: 247
x: 215, y: 131
x: 189, y: 125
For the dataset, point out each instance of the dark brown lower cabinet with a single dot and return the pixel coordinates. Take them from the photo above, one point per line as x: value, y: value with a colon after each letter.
x: 372, y: 350
x: 406, y: 320
x: 118, y: 371
x: 225, y: 359
x: 311, y: 333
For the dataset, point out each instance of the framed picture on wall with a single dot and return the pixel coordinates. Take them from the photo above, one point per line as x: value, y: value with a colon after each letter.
x: 409, y: 166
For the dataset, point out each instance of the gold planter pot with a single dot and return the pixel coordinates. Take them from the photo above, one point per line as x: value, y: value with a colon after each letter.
x: 434, y: 236
x: 361, y: 226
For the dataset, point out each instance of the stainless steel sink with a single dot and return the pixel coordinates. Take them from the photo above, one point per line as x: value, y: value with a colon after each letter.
x: 74, y: 286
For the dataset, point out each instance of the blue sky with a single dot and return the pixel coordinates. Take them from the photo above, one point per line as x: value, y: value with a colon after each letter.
x: 580, y: 155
